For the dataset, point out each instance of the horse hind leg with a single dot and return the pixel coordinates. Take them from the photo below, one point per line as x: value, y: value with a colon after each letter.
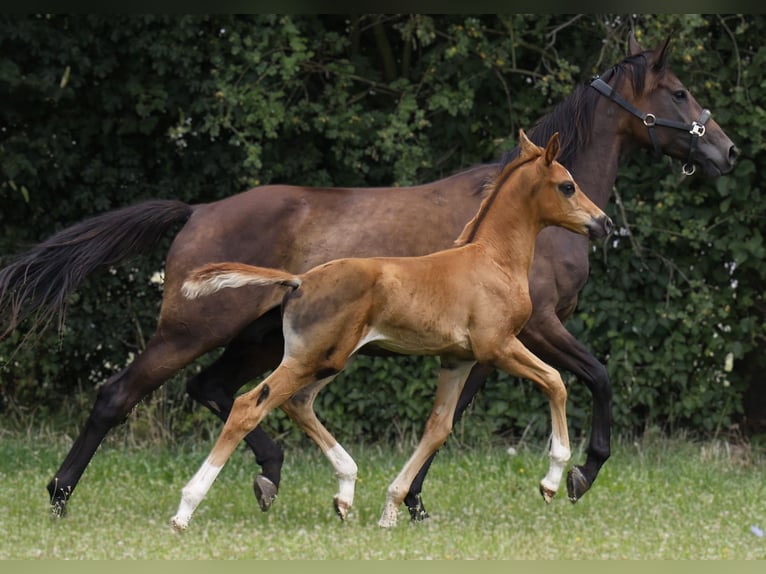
x: 300, y: 409
x: 248, y: 411
x: 157, y: 363
x: 214, y: 387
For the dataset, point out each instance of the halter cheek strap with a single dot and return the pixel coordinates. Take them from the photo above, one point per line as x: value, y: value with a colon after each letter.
x: 696, y: 129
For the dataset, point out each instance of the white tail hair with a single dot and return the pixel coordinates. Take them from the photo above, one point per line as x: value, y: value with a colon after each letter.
x: 213, y: 278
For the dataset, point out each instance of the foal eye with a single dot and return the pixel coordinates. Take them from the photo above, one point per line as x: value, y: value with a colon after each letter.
x: 567, y: 188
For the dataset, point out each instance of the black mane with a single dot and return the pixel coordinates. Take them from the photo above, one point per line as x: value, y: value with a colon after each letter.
x: 573, y: 117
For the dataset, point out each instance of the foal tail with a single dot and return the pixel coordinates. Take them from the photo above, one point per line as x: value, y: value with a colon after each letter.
x: 40, y: 281
x: 216, y: 276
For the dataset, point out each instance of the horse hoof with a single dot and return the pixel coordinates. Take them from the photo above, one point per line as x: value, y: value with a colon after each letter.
x: 547, y: 493
x: 341, y: 508
x: 177, y: 525
x: 58, y: 508
x: 265, y: 492
x: 418, y: 512
x: 389, y: 516
x: 577, y: 484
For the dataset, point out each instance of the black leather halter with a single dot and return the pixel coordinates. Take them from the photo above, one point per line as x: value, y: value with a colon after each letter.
x: 696, y: 128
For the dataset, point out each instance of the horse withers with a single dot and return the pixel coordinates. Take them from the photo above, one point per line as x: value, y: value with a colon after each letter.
x: 464, y: 305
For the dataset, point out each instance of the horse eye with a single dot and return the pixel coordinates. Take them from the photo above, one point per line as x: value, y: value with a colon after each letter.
x: 567, y: 188
x: 679, y: 95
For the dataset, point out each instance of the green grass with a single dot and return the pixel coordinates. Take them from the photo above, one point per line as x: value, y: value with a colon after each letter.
x: 658, y: 499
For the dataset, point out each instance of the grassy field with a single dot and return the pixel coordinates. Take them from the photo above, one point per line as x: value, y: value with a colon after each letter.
x: 655, y: 499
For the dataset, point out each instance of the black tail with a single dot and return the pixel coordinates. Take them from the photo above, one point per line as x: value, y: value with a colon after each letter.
x: 39, y: 282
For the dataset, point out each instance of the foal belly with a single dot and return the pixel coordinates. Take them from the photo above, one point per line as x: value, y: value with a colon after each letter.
x: 405, y: 342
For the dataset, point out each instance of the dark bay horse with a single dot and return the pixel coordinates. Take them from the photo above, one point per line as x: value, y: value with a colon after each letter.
x: 297, y: 228
x: 464, y: 305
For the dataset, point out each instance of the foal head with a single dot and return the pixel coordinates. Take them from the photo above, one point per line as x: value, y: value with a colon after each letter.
x: 554, y: 192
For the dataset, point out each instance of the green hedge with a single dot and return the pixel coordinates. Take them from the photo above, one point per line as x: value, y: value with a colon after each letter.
x: 101, y: 112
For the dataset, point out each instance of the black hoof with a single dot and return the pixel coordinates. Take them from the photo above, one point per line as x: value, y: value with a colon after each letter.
x: 265, y: 492
x: 418, y: 512
x: 577, y: 484
x: 58, y: 508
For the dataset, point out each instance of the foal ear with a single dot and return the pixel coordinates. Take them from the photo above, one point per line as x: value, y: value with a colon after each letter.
x: 552, y: 149
x: 528, y: 148
x: 633, y: 46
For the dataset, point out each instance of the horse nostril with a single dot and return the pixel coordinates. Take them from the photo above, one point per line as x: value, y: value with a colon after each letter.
x: 733, y: 153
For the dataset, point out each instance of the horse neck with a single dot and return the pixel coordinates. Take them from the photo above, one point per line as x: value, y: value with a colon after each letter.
x: 595, y: 165
x: 509, y: 229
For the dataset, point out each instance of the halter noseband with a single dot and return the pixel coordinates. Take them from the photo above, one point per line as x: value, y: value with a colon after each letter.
x: 696, y: 128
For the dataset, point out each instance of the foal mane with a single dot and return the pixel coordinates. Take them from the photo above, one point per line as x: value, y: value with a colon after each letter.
x: 573, y: 117
x: 491, y: 190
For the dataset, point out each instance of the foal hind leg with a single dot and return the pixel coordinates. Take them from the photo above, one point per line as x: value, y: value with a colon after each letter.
x: 300, y: 408
x: 438, y: 428
x: 519, y: 361
x: 248, y: 411
x: 243, y: 360
x: 160, y: 360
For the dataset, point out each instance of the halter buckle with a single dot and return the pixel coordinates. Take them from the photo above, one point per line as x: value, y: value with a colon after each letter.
x: 697, y: 129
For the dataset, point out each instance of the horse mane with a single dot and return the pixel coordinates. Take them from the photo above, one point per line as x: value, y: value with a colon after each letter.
x: 573, y: 117
x: 491, y: 190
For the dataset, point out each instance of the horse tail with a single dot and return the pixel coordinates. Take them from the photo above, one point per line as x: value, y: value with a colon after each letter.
x: 216, y: 276
x: 40, y: 281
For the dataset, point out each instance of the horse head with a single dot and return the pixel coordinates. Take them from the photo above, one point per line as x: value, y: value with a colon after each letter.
x: 561, y: 200
x: 663, y: 115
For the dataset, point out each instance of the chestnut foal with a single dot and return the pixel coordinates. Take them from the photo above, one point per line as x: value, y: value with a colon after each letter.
x: 466, y: 305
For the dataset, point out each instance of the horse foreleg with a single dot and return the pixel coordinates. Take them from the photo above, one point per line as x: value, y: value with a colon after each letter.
x: 555, y: 345
x: 300, y: 408
x: 519, y: 361
x: 438, y: 427
x: 473, y: 384
x: 248, y: 411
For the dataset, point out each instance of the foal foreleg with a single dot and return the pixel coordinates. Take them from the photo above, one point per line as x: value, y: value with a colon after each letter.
x: 300, y: 408
x: 248, y: 411
x: 438, y: 427
x: 520, y: 361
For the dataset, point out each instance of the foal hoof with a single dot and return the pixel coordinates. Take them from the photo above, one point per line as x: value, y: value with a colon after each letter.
x: 418, y: 512
x: 341, y: 507
x: 265, y: 492
x: 577, y: 484
x: 547, y: 493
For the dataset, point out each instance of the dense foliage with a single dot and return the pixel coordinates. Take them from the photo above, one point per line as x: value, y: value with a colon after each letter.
x: 100, y: 112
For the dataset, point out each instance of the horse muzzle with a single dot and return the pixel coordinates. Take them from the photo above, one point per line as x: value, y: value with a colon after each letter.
x: 600, y: 227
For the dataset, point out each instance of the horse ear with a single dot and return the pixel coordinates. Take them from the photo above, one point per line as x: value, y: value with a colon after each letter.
x: 633, y: 46
x: 662, y: 53
x: 552, y: 149
x: 527, y: 147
